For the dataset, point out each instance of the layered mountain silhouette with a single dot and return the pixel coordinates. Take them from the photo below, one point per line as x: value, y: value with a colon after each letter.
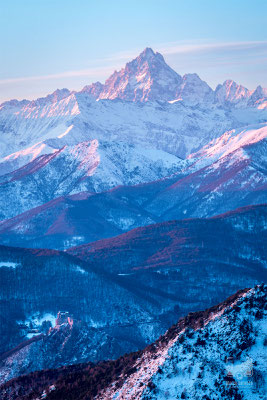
x: 126, y: 206
x: 228, y: 173
x: 141, y: 281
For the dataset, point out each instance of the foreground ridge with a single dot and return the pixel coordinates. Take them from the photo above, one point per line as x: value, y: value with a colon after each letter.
x: 216, y: 353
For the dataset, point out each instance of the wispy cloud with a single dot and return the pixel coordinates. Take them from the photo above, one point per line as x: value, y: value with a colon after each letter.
x: 183, y: 48
x: 90, y: 72
x: 110, y: 63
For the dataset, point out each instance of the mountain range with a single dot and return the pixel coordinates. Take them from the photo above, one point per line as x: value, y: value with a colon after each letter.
x: 141, y: 281
x: 228, y: 173
x: 125, y: 206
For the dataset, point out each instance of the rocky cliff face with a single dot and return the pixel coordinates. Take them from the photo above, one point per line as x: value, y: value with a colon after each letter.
x: 230, y: 93
x: 149, y: 78
x: 145, y: 78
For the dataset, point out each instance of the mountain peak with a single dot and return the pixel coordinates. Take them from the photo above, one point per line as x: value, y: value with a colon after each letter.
x: 260, y: 91
x: 229, y: 82
x: 148, y: 61
x: 258, y: 97
x: 57, y: 95
x: 192, y: 77
x: 147, y: 77
x: 194, y: 91
x: 231, y: 93
x: 147, y: 52
x: 94, y: 89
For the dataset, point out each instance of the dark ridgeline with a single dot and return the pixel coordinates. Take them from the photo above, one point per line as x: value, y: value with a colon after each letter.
x: 87, y: 381
x: 144, y: 270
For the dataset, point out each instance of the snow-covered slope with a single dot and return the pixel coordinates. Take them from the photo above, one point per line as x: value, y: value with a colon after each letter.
x: 86, y: 166
x: 175, y: 128
x: 25, y: 125
x: 49, y: 147
x: 172, y: 113
x: 228, y: 143
x: 228, y: 173
x: 215, y: 354
x: 20, y: 158
x: 230, y: 170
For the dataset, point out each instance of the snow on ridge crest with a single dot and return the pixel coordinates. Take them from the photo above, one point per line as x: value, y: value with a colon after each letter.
x: 232, y: 140
x: 149, y: 78
x: 159, y: 375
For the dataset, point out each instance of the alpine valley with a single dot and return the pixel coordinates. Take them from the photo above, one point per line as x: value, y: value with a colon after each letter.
x: 125, y: 208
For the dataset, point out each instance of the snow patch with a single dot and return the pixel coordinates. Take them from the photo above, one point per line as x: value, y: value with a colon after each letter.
x: 8, y: 264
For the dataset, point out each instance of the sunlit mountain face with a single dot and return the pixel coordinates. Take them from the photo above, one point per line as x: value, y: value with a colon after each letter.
x: 124, y: 207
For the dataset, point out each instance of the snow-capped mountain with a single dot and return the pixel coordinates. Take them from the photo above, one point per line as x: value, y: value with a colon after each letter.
x: 149, y: 78
x: 230, y: 93
x: 26, y: 125
x: 145, y: 78
x: 86, y: 166
x: 213, y: 354
x: 228, y: 143
x: 128, y: 178
x: 54, y: 97
x: 226, y: 174
x: 258, y: 98
x: 236, y: 175
x: 194, y: 91
x: 174, y: 128
x: 69, y: 143
x: 71, y: 117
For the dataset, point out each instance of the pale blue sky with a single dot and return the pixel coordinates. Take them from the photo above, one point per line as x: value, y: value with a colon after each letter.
x: 50, y: 44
